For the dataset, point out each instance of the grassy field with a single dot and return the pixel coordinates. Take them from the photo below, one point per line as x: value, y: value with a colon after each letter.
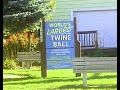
x: 63, y: 79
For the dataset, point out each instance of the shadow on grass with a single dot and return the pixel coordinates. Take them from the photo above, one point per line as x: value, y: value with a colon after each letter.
x: 39, y: 80
x: 97, y: 76
x: 17, y: 79
x: 27, y: 77
x: 67, y: 87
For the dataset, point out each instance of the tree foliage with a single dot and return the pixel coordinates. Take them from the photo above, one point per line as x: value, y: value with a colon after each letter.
x: 21, y: 14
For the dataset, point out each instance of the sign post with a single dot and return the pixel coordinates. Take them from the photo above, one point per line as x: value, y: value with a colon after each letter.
x: 59, y: 45
x: 77, y: 45
x: 43, y: 52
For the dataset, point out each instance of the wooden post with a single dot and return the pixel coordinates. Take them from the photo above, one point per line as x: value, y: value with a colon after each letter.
x: 43, y: 52
x: 28, y: 62
x: 96, y: 43
x: 29, y: 43
x: 75, y: 35
x: 85, y: 79
x: 80, y: 48
x: 77, y: 44
x: 23, y: 65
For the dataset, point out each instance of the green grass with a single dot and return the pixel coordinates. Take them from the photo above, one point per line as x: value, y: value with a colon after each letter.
x: 63, y: 79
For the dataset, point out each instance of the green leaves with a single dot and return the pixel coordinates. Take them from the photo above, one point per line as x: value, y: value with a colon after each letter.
x: 18, y: 15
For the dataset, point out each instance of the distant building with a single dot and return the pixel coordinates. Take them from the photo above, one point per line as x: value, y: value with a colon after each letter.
x: 91, y: 15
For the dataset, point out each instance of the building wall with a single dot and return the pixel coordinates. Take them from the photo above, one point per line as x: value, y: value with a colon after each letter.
x: 103, y: 20
x: 63, y: 7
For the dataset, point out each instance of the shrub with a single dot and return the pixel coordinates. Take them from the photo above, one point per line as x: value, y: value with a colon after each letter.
x: 9, y: 64
x: 97, y: 53
x: 93, y: 53
x: 36, y: 63
x: 19, y: 42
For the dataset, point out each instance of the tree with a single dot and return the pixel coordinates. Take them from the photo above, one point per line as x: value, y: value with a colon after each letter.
x: 21, y: 14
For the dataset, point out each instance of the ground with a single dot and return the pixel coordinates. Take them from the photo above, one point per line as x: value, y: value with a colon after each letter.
x: 12, y: 76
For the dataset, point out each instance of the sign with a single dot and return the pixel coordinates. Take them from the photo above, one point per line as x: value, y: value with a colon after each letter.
x: 60, y: 47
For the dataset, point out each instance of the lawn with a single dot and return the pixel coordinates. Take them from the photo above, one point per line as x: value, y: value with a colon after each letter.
x: 61, y: 79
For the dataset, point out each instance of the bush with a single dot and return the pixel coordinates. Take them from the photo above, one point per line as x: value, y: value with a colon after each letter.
x: 36, y: 63
x: 97, y: 53
x: 9, y: 64
x: 93, y: 53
